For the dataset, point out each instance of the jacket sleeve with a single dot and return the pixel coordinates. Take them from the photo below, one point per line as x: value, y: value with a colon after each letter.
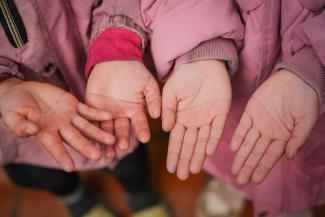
x: 177, y: 27
x: 9, y: 69
x: 308, y: 54
x: 116, y: 33
x: 214, y: 49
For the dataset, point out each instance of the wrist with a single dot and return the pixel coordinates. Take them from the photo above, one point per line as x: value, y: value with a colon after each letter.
x: 8, y: 83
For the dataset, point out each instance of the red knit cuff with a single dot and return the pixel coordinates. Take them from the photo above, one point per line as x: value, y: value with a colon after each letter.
x: 114, y: 44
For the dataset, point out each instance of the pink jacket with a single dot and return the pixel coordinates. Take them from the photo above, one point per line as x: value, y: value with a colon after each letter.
x: 54, y: 36
x: 51, y: 46
x: 265, y: 36
x: 184, y: 31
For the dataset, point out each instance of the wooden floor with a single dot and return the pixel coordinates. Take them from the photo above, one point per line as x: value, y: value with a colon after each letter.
x: 181, y: 196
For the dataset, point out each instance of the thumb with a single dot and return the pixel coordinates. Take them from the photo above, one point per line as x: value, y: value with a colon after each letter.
x: 153, y: 98
x: 169, y: 108
x: 19, y: 124
x: 299, y: 136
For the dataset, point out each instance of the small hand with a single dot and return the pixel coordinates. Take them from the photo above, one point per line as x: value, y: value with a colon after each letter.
x: 125, y: 88
x: 55, y: 117
x: 196, y: 101
x: 277, y: 119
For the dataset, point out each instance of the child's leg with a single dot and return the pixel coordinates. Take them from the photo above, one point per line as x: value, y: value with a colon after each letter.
x: 56, y: 181
x: 66, y: 186
x: 133, y: 173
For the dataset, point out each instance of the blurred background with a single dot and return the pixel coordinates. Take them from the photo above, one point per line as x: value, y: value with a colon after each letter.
x: 195, y: 197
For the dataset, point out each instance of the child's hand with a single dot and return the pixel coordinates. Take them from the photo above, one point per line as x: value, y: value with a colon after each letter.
x: 55, y: 117
x: 278, y: 119
x: 196, y: 101
x: 126, y: 88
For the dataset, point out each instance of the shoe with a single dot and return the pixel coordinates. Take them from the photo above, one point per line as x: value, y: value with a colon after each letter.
x: 158, y: 210
x: 219, y: 199
x: 147, y: 204
x: 82, y: 203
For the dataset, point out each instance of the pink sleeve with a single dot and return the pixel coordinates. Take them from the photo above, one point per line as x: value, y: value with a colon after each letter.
x: 214, y: 49
x: 179, y: 26
x: 114, y: 44
x: 116, y: 32
x: 125, y: 13
x: 308, y: 59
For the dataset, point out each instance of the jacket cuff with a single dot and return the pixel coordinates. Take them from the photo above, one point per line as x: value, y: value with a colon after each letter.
x: 123, y: 22
x: 215, y: 49
x: 9, y: 69
x: 308, y: 67
x: 114, y: 44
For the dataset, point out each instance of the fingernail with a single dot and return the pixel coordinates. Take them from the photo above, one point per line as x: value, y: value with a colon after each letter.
x: 171, y: 168
x: 182, y: 174
x: 292, y: 155
x: 234, y: 170
x: 241, y: 180
x: 31, y: 130
x: 195, y: 168
x: 110, y: 155
x: 68, y: 168
x: 144, y: 138
x: 95, y: 154
x: 123, y: 146
x: 155, y: 114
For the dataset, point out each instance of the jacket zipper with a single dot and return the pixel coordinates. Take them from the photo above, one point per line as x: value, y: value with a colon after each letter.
x: 11, y: 24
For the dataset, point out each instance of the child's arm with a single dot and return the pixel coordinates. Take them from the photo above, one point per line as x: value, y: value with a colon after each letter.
x: 201, y: 38
x: 118, y: 80
x: 282, y: 112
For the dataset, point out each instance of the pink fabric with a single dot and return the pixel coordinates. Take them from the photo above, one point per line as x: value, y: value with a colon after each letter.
x: 118, y: 44
x: 175, y: 28
x: 270, y: 38
x: 59, y: 33
x: 216, y: 49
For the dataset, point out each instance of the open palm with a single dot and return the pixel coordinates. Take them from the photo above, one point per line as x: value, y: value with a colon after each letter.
x: 196, y: 101
x: 277, y: 119
x: 125, y: 88
x: 55, y: 117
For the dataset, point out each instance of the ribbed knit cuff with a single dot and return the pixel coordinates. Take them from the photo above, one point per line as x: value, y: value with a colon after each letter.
x: 215, y: 49
x: 308, y: 67
x: 112, y: 45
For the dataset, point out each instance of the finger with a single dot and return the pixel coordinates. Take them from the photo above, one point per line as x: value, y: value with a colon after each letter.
x: 199, y: 151
x: 110, y: 150
x: 299, y: 136
x: 54, y: 145
x: 271, y: 156
x: 19, y: 125
x: 188, y: 146
x: 169, y: 109
x: 174, y: 147
x: 215, y: 134
x: 122, y: 133
x: 92, y: 132
x: 93, y: 114
x: 245, y: 149
x: 255, y: 156
x: 153, y: 98
x: 141, y: 126
x: 76, y: 140
x: 244, y: 125
x: 108, y: 126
